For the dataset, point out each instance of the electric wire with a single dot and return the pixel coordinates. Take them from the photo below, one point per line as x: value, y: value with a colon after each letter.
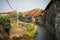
x: 10, y: 5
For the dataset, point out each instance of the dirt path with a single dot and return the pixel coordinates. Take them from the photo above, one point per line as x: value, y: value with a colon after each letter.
x: 16, y: 30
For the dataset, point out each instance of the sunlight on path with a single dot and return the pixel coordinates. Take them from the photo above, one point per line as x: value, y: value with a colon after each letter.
x: 16, y: 30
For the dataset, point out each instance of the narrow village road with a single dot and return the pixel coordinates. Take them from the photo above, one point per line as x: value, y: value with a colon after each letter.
x: 41, y: 34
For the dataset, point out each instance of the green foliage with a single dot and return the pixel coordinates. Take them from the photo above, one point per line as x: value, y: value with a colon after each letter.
x: 19, y: 13
x: 29, y: 28
x: 5, y: 21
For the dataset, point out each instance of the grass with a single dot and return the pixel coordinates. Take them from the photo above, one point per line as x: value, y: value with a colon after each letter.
x: 29, y: 28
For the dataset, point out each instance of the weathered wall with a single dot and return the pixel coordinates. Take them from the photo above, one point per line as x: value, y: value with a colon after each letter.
x: 52, y: 20
x: 57, y: 20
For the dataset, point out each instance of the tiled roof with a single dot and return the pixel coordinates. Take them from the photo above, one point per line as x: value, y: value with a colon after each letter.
x: 34, y: 12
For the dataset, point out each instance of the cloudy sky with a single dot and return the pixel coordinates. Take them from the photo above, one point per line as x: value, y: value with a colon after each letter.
x: 22, y: 5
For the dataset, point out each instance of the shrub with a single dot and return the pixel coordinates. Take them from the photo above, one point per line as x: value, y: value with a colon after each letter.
x: 29, y: 28
x: 6, y: 22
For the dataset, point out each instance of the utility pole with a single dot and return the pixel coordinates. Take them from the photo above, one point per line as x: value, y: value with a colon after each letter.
x: 17, y: 15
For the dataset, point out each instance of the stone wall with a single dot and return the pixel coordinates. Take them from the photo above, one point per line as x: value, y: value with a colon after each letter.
x: 57, y: 19
x: 51, y: 19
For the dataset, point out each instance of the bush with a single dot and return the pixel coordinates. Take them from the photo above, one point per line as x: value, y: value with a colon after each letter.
x: 6, y: 22
x: 29, y: 28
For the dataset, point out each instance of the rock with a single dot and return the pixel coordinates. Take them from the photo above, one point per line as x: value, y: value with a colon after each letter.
x: 3, y: 33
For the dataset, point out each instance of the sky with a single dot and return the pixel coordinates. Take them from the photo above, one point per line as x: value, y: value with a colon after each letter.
x: 22, y: 5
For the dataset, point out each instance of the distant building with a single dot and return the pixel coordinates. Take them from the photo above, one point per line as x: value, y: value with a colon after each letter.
x: 9, y: 14
x: 34, y: 12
